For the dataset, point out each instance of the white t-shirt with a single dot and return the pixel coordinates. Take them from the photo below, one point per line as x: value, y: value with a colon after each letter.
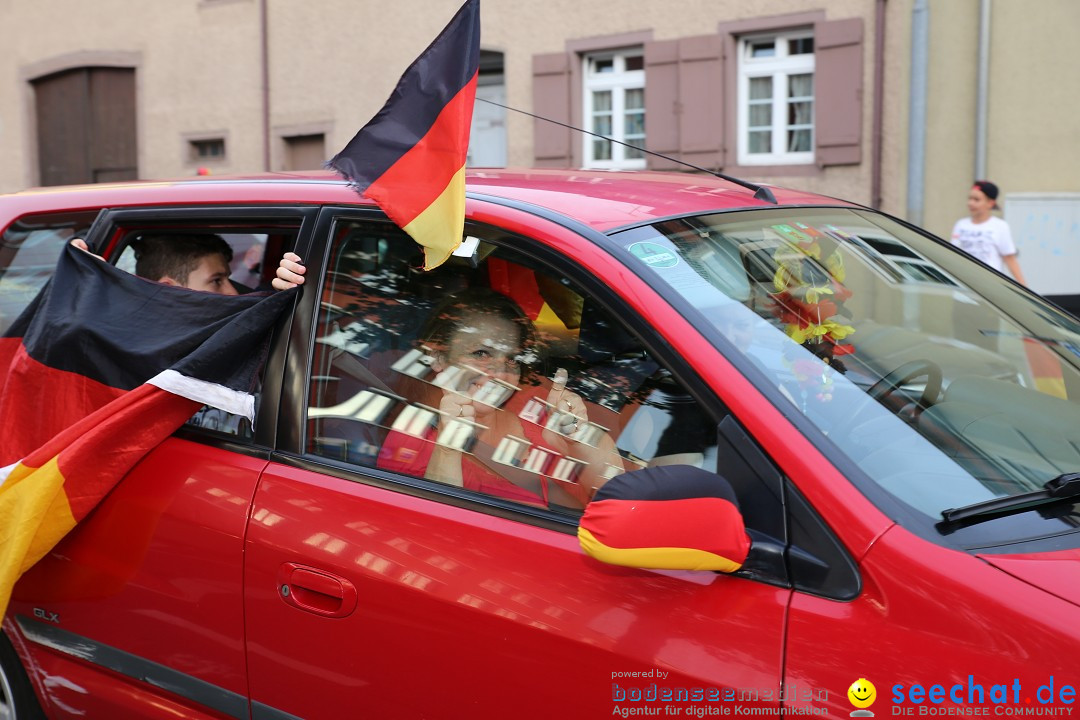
x: 988, y: 241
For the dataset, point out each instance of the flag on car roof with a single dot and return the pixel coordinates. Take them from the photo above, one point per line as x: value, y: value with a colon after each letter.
x: 99, y: 369
x: 410, y: 158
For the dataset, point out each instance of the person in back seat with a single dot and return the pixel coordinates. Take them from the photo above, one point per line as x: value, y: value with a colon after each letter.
x: 196, y: 261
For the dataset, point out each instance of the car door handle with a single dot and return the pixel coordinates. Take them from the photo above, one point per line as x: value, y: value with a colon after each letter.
x: 316, y: 591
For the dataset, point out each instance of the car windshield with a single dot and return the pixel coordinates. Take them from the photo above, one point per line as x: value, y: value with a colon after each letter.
x: 946, y: 384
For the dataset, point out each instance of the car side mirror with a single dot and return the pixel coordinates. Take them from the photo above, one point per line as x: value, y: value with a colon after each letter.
x: 672, y: 517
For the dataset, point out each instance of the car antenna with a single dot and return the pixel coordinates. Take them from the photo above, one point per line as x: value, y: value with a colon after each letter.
x: 761, y: 192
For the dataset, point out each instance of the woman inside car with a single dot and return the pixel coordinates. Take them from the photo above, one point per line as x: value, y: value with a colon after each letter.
x: 536, y: 447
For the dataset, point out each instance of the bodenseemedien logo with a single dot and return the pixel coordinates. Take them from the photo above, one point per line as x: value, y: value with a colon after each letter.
x: 862, y: 695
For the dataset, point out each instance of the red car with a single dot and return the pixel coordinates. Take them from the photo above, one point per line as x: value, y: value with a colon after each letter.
x: 396, y: 534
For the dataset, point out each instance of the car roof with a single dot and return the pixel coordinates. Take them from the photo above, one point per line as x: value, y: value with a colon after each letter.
x: 603, y: 200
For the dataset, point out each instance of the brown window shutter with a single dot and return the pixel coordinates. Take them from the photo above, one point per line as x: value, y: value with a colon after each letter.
x: 684, y: 101
x: 551, y: 99
x: 838, y: 91
x: 662, y: 102
x: 701, y: 99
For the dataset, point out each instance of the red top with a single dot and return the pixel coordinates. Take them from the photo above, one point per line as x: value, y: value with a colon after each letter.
x: 410, y: 454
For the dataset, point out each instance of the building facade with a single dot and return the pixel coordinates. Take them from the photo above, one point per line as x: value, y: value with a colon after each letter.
x: 891, y: 103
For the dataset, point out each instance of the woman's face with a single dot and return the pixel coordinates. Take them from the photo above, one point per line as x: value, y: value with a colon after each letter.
x: 489, y: 345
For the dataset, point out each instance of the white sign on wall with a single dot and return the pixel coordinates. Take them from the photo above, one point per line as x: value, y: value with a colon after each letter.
x: 1046, y: 229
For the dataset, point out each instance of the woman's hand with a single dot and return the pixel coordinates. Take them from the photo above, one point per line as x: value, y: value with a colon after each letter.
x: 290, y: 272
x: 575, y: 437
x: 445, y: 463
x: 574, y: 416
x: 455, y: 404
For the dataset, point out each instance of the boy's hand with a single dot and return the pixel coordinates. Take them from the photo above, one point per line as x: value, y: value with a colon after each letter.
x: 290, y: 272
x: 81, y: 244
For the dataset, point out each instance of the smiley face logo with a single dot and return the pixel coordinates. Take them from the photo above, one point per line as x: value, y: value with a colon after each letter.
x: 862, y: 693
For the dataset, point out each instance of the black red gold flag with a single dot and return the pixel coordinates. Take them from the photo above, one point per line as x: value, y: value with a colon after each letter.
x: 100, y: 368
x: 410, y: 158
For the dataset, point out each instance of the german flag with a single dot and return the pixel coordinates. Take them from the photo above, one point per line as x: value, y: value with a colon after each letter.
x: 410, y: 158
x: 671, y: 517
x: 102, y: 367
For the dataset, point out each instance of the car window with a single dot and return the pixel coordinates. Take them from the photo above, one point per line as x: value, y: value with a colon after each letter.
x: 29, y: 248
x: 256, y: 250
x: 491, y: 373
x: 247, y: 269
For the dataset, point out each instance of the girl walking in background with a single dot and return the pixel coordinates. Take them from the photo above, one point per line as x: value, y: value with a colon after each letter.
x: 984, y: 236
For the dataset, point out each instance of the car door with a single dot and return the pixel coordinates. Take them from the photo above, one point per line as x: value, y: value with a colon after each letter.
x: 373, y: 585
x: 138, y: 612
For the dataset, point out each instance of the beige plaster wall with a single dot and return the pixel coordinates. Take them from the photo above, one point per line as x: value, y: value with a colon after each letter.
x: 318, y: 76
x: 895, y: 99
x: 1035, y: 96
x: 197, y: 70
x: 950, y: 115
x: 199, y: 66
x: 1033, y: 102
x: 11, y: 155
x: 532, y: 28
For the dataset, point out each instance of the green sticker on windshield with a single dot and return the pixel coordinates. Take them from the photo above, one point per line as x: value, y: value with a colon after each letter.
x: 654, y: 255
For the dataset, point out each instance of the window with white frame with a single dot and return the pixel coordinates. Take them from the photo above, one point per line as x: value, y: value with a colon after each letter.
x: 614, y: 106
x: 776, y: 98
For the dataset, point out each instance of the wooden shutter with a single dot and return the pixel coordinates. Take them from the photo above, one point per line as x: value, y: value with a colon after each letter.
x: 551, y: 99
x: 662, y: 102
x: 701, y: 100
x: 113, y: 155
x: 838, y: 90
x: 63, y: 128
x: 684, y: 101
x: 86, y: 126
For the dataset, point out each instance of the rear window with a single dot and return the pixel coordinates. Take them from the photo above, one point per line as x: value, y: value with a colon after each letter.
x: 29, y: 248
